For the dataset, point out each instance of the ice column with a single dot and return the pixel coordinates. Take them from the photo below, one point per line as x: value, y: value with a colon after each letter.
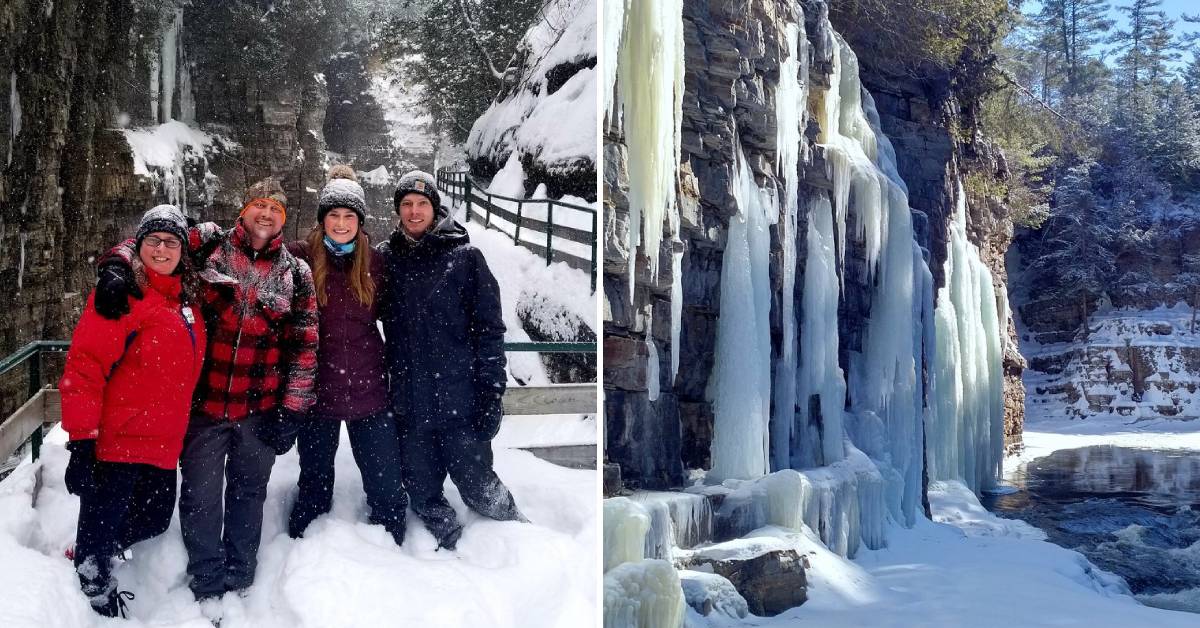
x: 650, y: 87
x: 14, y: 115
x: 868, y: 190
x: 614, y: 26
x: 625, y: 526
x: 740, y: 384
x: 966, y: 434
x: 645, y: 594
x: 820, y: 374
x: 791, y: 99
x: 647, y: 37
x: 169, y: 56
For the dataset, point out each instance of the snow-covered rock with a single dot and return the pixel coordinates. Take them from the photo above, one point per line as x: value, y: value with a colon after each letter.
x: 548, y: 116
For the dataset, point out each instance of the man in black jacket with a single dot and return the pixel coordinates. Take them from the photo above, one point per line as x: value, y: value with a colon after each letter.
x: 445, y: 353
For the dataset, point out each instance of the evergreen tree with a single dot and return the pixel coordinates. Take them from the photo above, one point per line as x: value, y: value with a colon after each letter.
x: 1072, y: 29
x: 462, y: 51
x: 1075, y: 255
x: 1145, y: 46
x: 1176, y: 151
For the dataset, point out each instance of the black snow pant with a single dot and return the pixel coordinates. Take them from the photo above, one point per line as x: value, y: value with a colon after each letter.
x: 223, y: 459
x: 428, y: 452
x: 131, y: 503
x: 376, y: 451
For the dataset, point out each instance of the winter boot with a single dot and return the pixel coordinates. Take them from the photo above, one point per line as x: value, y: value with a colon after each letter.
x: 449, y: 541
x: 114, y: 604
x: 397, y: 532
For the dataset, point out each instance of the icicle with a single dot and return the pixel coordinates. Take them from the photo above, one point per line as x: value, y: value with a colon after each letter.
x: 791, y: 98
x: 652, y: 377
x: 740, y: 384
x: 187, y: 101
x: 169, y: 55
x: 614, y: 27
x: 21, y: 261
x: 650, y: 86
x: 154, y: 77
x: 818, y: 443
x: 14, y: 113
x: 676, y: 305
x: 966, y: 437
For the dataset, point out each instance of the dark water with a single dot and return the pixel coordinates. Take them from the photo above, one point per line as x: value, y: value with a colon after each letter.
x: 1133, y: 512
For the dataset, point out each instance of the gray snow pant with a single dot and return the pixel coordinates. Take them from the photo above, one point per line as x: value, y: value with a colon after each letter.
x: 428, y: 452
x: 222, y: 459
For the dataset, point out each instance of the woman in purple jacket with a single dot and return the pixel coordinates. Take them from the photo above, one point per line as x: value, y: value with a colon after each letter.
x: 351, y: 375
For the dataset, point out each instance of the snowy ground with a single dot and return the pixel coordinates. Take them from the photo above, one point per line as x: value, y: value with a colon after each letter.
x: 346, y: 572
x: 343, y: 573
x: 968, y: 568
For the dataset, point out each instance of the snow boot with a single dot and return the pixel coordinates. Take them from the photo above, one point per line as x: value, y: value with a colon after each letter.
x: 450, y: 540
x: 114, y: 604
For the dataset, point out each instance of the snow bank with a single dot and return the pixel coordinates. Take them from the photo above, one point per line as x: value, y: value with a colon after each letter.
x: 343, y: 573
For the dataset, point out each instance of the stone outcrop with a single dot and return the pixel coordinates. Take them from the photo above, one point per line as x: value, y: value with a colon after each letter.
x: 770, y: 580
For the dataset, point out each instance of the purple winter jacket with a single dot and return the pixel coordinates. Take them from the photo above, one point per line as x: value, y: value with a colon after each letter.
x: 351, y: 375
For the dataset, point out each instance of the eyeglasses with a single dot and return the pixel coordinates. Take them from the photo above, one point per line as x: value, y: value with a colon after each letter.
x: 170, y: 243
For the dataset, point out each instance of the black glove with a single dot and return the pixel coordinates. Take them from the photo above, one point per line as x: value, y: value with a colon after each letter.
x: 279, y: 429
x: 81, y: 469
x: 114, y: 285
x: 488, y: 411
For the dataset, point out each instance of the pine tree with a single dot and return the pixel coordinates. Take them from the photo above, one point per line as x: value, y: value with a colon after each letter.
x: 1076, y: 255
x: 1176, y: 151
x: 1073, y: 28
x: 1145, y: 46
x: 463, y: 50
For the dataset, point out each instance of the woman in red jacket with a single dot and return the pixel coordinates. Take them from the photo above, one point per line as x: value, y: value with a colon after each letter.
x: 126, y: 394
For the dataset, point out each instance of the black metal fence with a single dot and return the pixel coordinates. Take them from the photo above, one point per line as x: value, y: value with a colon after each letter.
x: 484, y: 206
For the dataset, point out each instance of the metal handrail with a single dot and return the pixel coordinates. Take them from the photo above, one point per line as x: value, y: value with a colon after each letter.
x: 451, y: 181
x: 31, y: 354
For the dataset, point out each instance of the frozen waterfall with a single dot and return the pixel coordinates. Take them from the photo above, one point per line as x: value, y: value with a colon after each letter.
x: 740, y: 384
x: 966, y: 433
x: 14, y: 113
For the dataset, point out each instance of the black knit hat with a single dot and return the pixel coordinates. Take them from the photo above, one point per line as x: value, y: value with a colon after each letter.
x: 164, y: 218
x: 342, y: 190
x: 422, y: 183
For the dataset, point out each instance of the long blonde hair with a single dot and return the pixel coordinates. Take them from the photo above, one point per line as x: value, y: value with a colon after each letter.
x: 362, y: 285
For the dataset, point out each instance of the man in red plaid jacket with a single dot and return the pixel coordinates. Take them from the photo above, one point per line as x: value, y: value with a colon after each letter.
x: 260, y: 310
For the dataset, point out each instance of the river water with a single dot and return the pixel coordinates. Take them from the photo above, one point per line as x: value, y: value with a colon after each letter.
x: 1134, y: 512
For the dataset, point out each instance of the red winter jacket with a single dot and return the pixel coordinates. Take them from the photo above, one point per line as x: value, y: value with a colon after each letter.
x: 128, y: 383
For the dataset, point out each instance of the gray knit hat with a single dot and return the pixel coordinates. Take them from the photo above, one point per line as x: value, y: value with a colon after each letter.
x: 342, y: 190
x: 422, y: 183
x: 164, y: 218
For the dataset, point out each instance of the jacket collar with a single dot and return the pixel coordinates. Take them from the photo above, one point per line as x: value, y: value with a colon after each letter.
x: 241, y: 239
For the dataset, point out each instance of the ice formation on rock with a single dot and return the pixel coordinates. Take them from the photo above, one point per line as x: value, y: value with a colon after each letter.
x: 14, y: 113
x: 169, y: 56
x: 625, y: 526
x: 643, y: 594
x: 966, y: 430
x: 740, y: 384
x: 791, y: 101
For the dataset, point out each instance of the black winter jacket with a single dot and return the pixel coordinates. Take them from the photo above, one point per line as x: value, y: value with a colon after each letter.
x: 443, y: 327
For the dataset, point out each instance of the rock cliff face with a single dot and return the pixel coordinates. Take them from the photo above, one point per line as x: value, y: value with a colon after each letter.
x: 733, y: 54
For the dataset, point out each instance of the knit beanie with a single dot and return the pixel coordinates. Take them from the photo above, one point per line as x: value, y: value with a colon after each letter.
x: 163, y: 218
x: 422, y: 183
x: 342, y: 190
x: 268, y: 188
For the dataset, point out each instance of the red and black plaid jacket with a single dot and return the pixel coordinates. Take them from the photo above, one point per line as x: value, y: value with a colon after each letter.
x: 260, y: 309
